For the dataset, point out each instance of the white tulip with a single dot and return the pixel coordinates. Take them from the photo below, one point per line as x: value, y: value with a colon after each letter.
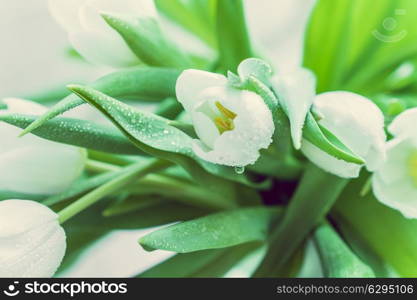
x: 296, y: 91
x: 100, y: 44
x: 33, y: 165
x: 358, y: 123
x: 395, y: 182
x: 232, y: 125
x: 91, y: 36
x: 32, y: 243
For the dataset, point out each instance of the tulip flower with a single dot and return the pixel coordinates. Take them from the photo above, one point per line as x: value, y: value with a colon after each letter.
x: 358, y: 123
x: 394, y: 183
x: 32, y: 243
x: 32, y: 165
x: 91, y: 36
x: 100, y: 44
x: 232, y: 125
x: 296, y: 91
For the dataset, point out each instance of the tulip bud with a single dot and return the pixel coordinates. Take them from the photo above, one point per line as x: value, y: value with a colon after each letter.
x: 358, y: 123
x: 32, y: 243
x: 33, y: 165
x: 394, y: 183
x: 91, y: 36
x: 232, y: 125
x: 296, y: 91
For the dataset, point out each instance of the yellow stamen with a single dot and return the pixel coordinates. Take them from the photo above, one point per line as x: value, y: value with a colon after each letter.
x: 224, y: 111
x: 223, y: 124
x: 412, y: 167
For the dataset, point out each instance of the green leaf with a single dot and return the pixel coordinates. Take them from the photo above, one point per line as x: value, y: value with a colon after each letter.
x: 127, y: 204
x: 85, y: 134
x: 5, y: 195
x: 146, y: 39
x: 348, y: 48
x: 384, y: 230
x: 81, y: 186
x: 90, y: 225
x: 183, y: 265
x: 184, y: 127
x: 47, y: 96
x: 219, y: 230
x: 170, y: 108
x: 232, y: 34
x: 196, y: 16
x: 226, y: 261
x: 323, y: 139
x: 337, y: 259
x: 313, y: 199
x: 182, y: 191
x: 364, y: 252
x: 256, y: 85
x: 206, y: 263
x: 160, y: 214
x: 138, y: 83
x: 153, y: 135
x: 3, y: 105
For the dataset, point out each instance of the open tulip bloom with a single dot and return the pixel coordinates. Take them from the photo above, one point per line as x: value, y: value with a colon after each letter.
x: 230, y: 137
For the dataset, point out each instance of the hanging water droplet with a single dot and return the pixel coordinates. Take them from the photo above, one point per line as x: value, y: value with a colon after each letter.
x: 240, y: 170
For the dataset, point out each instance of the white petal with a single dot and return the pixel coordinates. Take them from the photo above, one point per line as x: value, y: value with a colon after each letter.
x: 17, y: 216
x: 396, y: 166
x: 9, y: 134
x: 33, y: 165
x: 296, y: 91
x: 404, y: 124
x: 253, y: 130
x: 400, y: 195
x: 16, y: 105
x: 41, y: 167
x: 205, y: 129
x: 32, y: 243
x: 192, y: 82
x: 357, y: 122
x: 185, y: 40
x: 103, y: 49
x: 66, y: 13
x: 329, y: 163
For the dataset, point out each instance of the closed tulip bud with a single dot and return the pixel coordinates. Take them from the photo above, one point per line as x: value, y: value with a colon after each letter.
x: 358, y: 123
x: 91, y: 36
x: 33, y: 165
x: 32, y: 243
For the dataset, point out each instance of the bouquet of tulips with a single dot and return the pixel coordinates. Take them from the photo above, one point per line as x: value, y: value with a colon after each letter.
x: 240, y: 161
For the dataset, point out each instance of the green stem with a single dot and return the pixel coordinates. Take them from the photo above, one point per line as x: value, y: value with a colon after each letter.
x: 160, y: 184
x: 181, y: 191
x: 315, y: 195
x: 114, y: 159
x: 132, y: 173
x: 233, y: 37
x: 100, y: 167
x: 336, y: 257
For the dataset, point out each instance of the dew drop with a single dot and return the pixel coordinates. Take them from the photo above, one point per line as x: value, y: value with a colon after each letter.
x: 240, y: 170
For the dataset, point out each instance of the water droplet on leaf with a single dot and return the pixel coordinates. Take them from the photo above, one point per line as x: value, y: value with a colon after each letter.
x: 240, y: 170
